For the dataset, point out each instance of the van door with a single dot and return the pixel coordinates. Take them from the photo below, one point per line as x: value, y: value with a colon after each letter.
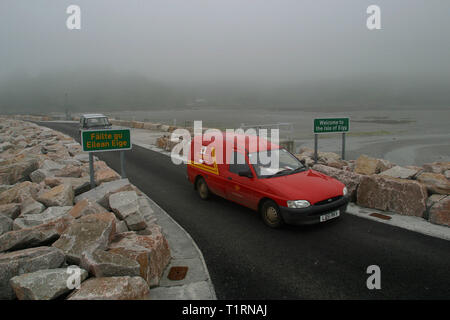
x: 241, y: 189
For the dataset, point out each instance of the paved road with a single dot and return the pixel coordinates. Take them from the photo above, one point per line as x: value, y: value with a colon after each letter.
x: 247, y: 260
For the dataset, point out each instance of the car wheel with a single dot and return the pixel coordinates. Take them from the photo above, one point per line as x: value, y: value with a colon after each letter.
x: 202, y: 189
x: 271, y: 215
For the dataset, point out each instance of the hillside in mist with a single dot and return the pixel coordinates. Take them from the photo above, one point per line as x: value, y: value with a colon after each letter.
x: 103, y: 89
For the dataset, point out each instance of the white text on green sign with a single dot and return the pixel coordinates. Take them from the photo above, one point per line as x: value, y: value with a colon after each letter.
x: 331, y: 125
x: 106, y: 140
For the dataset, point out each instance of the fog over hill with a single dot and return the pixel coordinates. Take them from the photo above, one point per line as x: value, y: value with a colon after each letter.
x: 102, y: 89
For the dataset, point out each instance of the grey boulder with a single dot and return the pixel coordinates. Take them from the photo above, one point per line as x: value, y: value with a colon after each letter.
x: 44, y: 234
x: 102, y: 193
x: 49, y: 215
x: 10, y: 210
x: 399, y: 172
x: 87, y: 233
x: 124, y: 203
x: 107, y: 264
x: 31, y: 206
x: 24, y: 261
x: 5, y: 224
x: 46, y: 284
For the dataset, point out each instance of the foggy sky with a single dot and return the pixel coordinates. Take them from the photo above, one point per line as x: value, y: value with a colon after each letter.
x: 201, y: 43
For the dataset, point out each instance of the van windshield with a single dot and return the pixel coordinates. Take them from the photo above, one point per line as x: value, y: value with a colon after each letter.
x: 97, y: 122
x: 275, y: 163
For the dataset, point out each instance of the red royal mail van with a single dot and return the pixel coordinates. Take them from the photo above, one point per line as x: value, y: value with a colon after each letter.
x: 291, y: 193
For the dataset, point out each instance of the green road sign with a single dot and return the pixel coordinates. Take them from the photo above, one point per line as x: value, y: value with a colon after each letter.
x: 106, y: 140
x: 331, y: 125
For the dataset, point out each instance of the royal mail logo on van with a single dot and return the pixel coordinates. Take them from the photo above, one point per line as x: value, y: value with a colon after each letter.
x: 200, y: 163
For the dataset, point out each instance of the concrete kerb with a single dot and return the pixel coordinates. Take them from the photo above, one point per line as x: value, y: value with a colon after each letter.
x: 197, y: 285
x: 415, y: 224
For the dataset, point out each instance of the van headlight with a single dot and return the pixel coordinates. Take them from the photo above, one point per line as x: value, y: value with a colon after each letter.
x: 344, y: 191
x: 298, y: 204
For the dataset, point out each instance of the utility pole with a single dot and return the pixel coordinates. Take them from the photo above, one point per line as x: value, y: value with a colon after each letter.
x: 66, y: 105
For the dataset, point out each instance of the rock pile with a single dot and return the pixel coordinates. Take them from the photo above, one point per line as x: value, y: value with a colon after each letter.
x: 377, y: 183
x: 51, y: 222
x: 165, y: 143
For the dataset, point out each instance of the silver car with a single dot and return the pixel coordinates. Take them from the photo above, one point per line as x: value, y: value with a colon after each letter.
x: 94, y: 121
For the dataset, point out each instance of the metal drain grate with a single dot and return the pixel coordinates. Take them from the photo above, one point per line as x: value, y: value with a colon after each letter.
x: 177, y: 273
x: 381, y: 216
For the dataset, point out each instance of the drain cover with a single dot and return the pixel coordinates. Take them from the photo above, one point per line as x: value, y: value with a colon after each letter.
x: 381, y: 216
x: 177, y: 273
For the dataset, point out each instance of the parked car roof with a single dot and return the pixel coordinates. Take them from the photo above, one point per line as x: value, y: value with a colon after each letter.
x: 93, y: 115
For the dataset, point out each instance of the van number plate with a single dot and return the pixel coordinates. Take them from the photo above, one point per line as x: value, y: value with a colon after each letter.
x: 328, y: 216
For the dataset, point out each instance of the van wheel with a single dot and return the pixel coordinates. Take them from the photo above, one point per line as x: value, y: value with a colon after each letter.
x: 271, y: 215
x: 202, y: 189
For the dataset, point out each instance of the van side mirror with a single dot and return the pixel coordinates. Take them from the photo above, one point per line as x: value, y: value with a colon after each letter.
x: 246, y: 173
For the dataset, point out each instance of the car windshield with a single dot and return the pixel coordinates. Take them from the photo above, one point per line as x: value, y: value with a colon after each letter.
x: 265, y: 163
x: 95, y: 122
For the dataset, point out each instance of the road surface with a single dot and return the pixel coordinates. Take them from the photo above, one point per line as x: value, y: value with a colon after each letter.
x: 247, y: 260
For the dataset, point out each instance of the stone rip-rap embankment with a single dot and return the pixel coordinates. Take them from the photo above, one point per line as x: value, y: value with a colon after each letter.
x: 379, y: 184
x: 55, y: 230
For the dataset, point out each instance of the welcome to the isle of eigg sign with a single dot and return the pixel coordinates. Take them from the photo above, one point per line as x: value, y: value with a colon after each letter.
x: 105, y: 140
x: 331, y: 125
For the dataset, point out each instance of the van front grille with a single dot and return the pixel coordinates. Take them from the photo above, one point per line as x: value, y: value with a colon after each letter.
x: 328, y: 201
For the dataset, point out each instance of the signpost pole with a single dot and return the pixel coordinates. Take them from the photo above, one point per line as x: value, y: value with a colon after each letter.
x: 122, y: 164
x: 316, y: 142
x: 91, y: 169
x: 343, y: 145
